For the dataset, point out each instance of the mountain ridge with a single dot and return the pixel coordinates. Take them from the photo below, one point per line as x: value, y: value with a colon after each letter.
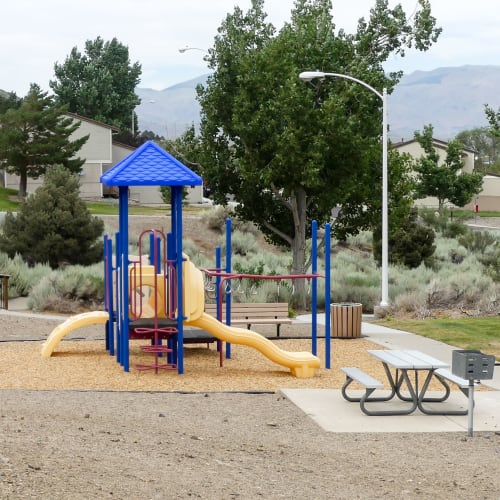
x: 450, y: 98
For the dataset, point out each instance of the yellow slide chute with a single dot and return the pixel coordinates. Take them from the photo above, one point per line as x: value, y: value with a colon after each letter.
x: 72, y: 323
x: 301, y: 364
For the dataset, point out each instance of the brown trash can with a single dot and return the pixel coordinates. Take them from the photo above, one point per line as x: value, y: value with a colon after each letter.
x: 346, y: 319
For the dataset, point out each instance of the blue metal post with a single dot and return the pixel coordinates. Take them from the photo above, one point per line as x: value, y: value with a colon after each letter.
x: 177, y: 223
x: 108, y: 290
x: 314, y: 291
x: 228, y: 283
x: 327, y: 295
x: 218, y: 264
x: 123, y: 262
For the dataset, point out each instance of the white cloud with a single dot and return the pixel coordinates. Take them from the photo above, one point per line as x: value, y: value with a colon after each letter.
x: 37, y: 34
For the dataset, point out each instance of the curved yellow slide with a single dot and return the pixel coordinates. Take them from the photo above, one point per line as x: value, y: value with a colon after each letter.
x: 301, y: 364
x: 72, y: 323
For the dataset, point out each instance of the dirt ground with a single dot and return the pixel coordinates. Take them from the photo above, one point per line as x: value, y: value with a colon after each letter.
x: 75, y: 426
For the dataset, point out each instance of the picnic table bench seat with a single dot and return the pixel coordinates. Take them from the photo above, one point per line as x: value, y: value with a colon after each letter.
x: 255, y: 313
x: 354, y: 374
x: 461, y: 383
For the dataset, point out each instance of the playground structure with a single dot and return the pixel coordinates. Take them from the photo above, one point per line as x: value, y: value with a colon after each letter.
x: 155, y: 300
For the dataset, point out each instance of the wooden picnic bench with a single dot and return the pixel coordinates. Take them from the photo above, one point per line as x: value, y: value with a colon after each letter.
x: 255, y: 313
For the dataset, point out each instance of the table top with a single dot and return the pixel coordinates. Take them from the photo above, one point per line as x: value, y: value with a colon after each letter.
x: 408, y: 359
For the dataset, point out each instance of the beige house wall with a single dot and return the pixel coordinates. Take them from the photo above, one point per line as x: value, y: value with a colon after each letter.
x: 416, y: 151
x: 489, y: 198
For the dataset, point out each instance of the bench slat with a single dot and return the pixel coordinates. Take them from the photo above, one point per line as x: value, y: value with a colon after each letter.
x: 261, y: 321
x: 253, y: 313
x: 363, y: 378
x: 446, y: 374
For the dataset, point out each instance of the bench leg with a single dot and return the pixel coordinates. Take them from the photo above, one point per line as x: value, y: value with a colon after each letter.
x: 363, y: 400
x: 422, y: 399
x: 357, y: 399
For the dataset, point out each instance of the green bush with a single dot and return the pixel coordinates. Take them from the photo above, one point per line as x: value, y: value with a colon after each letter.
x: 477, y: 241
x: 215, y: 218
x: 22, y: 277
x: 410, y: 244
x: 54, y: 225
x: 243, y: 243
x: 69, y: 290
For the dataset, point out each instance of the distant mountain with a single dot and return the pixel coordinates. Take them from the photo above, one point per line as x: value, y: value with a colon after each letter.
x: 451, y: 99
x: 171, y: 111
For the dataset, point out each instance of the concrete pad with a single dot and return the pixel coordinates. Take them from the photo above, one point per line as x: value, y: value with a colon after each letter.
x: 333, y: 413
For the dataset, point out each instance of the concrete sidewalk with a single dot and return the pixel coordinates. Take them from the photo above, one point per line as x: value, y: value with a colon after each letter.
x: 333, y: 413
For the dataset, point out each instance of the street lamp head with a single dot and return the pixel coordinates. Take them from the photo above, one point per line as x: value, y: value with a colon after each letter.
x: 187, y: 47
x: 311, y: 75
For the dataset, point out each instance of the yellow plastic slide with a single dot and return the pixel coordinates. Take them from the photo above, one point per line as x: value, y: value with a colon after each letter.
x: 72, y: 323
x: 301, y: 364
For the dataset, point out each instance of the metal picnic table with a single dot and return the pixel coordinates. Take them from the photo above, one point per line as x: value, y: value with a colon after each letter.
x: 397, y: 365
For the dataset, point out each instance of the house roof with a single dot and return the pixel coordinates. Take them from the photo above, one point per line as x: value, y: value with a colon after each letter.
x: 437, y: 143
x: 150, y: 165
x: 81, y: 118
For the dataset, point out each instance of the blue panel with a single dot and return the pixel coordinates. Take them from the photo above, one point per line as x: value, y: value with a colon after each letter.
x: 150, y: 165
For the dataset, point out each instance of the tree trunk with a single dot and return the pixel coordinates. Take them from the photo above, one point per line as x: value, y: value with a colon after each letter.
x: 299, y: 212
x: 23, y: 184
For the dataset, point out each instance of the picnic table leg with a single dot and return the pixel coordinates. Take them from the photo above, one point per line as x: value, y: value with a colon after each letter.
x: 405, y: 411
x: 422, y: 399
x: 439, y: 399
x: 363, y: 400
x: 366, y: 395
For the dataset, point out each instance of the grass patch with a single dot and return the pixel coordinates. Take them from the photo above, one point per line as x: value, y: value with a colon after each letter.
x: 468, y: 333
x: 7, y: 203
x: 109, y: 207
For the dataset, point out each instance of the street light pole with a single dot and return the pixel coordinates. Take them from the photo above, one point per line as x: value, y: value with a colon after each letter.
x: 311, y: 75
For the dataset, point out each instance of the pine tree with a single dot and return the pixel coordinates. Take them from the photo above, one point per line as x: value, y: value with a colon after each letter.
x: 36, y: 136
x: 54, y: 225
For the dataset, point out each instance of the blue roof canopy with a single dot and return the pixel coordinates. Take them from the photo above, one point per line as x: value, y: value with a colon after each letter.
x: 150, y: 165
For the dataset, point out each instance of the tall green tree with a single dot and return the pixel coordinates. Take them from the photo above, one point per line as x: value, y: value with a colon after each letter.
x: 8, y: 100
x: 54, y: 225
x: 186, y: 148
x: 100, y: 83
x: 289, y: 152
x: 486, y: 145
x: 410, y: 241
x: 493, y: 118
x: 35, y: 136
x: 444, y: 180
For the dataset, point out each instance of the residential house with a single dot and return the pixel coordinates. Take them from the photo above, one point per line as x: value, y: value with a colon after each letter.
x: 101, y: 152
x: 488, y: 199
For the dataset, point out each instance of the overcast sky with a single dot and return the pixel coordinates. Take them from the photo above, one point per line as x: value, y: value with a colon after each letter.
x: 37, y: 33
